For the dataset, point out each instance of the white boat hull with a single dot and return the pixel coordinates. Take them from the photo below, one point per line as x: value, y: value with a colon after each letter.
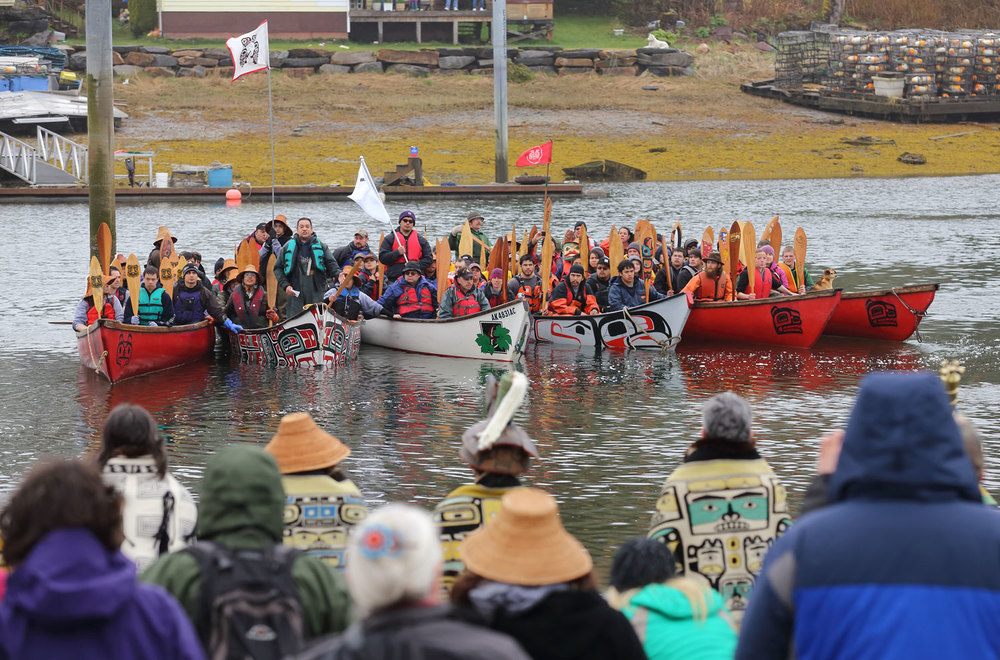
x: 497, y: 334
x: 654, y: 325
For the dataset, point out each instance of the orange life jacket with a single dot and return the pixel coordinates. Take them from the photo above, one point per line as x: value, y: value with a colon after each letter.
x: 465, y: 303
x: 533, y: 294
x: 793, y: 282
x: 409, y: 301
x: 107, y: 313
x: 707, y: 288
x: 410, y: 246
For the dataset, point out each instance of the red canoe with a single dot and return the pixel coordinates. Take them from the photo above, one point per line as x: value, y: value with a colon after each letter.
x: 118, y: 350
x: 786, y: 321
x: 892, y: 314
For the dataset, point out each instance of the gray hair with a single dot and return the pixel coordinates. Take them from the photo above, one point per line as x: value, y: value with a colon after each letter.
x: 727, y: 416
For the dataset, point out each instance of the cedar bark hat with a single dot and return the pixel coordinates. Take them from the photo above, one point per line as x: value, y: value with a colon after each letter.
x: 526, y: 543
x: 300, y: 445
x: 162, y: 233
x: 227, y: 265
x: 250, y: 268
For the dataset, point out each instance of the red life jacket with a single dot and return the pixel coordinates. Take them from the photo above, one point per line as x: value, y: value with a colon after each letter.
x: 761, y: 286
x: 533, y: 294
x: 107, y: 313
x: 465, y: 303
x: 239, y: 304
x: 410, y: 246
x: 409, y: 301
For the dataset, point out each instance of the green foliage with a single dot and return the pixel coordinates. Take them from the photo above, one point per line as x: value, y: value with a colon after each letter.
x: 519, y: 73
x: 665, y: 35
x: 701, y: 33
x: 717, y: 20
x: 142, y: 16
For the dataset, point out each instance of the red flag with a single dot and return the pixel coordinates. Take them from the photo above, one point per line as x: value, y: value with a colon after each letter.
x: 540, y: 155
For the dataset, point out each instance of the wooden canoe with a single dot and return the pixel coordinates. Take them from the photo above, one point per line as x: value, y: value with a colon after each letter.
x: 118, y: 350
x: 315, y: 337
x: 653, y: 325
x: 891, y: 314
x: 786, y: 321
x: 495, y: 334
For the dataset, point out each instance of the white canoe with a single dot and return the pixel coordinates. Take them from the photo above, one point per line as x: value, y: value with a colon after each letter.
x: 654, y: 325
x: 314, y: 337
x: 496, y: 334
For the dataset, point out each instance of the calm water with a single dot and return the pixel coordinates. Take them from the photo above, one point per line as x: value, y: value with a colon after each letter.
x: 609, y: 426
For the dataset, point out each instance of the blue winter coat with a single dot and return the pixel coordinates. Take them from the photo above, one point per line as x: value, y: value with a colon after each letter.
x: 72, y: 598
x: 620, y: 296
x: 395, y: 290
x: 904, y: 562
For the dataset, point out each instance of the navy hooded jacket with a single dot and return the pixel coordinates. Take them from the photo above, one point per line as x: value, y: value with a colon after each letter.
x: 905, y: 560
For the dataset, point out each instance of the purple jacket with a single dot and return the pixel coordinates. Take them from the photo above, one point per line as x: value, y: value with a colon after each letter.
x: 73, y: 599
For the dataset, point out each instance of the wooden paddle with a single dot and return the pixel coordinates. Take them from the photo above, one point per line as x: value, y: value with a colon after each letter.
x: 748, y: 240
x: 243, y: 259
x: 381, y: 267
x: 706, y: 242
x: 104, y: 246
x: 724, y: 248
x: 498, y: 257
x: 548, y: 246
x: 272, y: 284
x: 776, y: 240
x: 513, y: 258
x: 348, y: 276
x: 665, y: 255
x: 616, y: 250
x: 167, y: 277
x: 734, y: 251
x: 133, y: 278
x: 800, y: 256
x: 676, y: 230
x: 95, y: 282
x: 524, y: 244
x: 465, y: 242
x: 178, y: 265
x: 584, y: 251
x: 523, y: 250
x: 442, y: 266
x: 647, y: 246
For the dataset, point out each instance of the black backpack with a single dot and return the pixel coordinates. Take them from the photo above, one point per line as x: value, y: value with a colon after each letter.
x: 249, y: 604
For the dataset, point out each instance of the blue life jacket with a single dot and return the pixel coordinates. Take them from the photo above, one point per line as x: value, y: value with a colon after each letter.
x: 188, y: 307
x: 317, y: 252
x: 150, y: 304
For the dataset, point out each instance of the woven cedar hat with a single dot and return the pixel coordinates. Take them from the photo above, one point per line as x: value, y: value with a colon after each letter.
x: 250, y: 268
x: 227, y: 266
x: 162, y: 233
x: 526, y: 543
x: 300, y: 445
x: 269, y: 227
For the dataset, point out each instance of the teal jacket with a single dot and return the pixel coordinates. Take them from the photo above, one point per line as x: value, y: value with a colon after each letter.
x: 664, y: 621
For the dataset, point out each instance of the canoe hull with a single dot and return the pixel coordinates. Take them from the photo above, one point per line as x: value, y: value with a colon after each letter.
x: 496, y: 334
x: 889, y: 314
x: 118, y: 351
x: 315, y: 337
x: 653, y: 325
x: 795, y: 321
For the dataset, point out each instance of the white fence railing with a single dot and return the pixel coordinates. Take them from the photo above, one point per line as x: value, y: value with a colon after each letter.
x: 63, y: 153
x: 18, y: 158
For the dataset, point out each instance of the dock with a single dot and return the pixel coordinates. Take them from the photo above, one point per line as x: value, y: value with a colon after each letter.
x: 290, y: 193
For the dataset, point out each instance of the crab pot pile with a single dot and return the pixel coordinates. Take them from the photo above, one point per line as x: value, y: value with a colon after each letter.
x: 934, y: 63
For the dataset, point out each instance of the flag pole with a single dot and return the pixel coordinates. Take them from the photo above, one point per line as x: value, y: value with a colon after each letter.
x: 270, y: 113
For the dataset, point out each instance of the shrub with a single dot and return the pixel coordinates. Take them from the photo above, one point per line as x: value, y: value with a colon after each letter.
x: 701, y: 33
x: 142, y: 16
x: 519, y: 73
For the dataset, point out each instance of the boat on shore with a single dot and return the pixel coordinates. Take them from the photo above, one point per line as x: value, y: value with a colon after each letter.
x: 795, y: 321
x: 890, y: 314
x: 496, y: 334
x: 654, y: 325
x: 315, y: 337
x: 118, y: 350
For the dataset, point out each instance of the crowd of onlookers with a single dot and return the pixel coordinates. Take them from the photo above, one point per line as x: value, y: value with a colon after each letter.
x: 895, y: 554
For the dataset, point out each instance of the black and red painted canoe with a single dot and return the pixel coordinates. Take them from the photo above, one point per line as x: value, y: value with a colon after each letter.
x: 796, y: 321
x: 891, y: 314
x: 118, y: 350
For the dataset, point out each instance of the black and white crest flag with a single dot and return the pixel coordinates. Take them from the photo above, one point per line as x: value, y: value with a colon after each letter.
x: 249, y: 51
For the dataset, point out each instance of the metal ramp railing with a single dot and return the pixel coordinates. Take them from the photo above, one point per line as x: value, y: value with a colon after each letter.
x: 63, y: 153
x: 18, y: 158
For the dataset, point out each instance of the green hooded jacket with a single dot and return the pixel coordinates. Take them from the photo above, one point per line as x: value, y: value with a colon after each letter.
x: 241, y: 506
x: 668, y: 628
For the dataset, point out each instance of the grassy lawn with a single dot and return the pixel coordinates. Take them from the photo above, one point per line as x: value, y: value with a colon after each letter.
x: 569, y: 32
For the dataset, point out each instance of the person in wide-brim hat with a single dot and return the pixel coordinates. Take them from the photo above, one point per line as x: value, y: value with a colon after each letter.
x: 300, y: 445
x: 162, y: 233
x: 531, y: 579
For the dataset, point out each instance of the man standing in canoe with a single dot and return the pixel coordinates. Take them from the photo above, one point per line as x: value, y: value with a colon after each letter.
x: 526, y: 285
x: 304, y: 268
x: 464, y: 298
x: 479, y: 240
x: 411, y: 296
x: 626, y: 290
x: 403, y: 246
x: 713, y: 283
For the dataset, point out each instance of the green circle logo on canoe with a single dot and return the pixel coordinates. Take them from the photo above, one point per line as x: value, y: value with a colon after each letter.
x: 494, y: 338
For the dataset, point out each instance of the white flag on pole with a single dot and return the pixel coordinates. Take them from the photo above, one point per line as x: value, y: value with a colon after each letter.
x: 249, y: 51
x: 367, y: 196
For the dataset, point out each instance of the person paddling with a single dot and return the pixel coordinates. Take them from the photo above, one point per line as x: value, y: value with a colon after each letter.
x: 353, y: 302
x: 765, y: 281
x: 494, y: 290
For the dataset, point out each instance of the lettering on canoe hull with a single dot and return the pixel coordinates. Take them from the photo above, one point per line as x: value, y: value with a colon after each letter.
x: 786, y: 321
x: 123, y: 352
x: 881, y: 314
x: 504, y: 313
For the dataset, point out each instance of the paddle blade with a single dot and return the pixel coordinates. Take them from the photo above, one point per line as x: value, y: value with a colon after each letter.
x: 547, y: 248
x: 734, y: 250
x: 133, y: 278
x: 465, y: 242
x: 524, y: 244
x: 676, y: 232
x: 442, y: 265
x: 584, y: 250
x: 95, y: 282
x: 547, y: 215
x: 616, y: 249
x: 272, y: 282
x: 749, y: 242
x: 381, y: 266
x: 776, y: 240
x: 104, y: 245
x: 179, y: 264
x: 167, y: 277
x: 647, y: 248
x: 514, y: 256
x: 497, y: 257
x: 800, y: 255
x: 724, y: 248
x: 706, y: 242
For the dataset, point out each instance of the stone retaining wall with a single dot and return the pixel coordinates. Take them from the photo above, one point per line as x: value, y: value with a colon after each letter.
x: 161, y: 61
